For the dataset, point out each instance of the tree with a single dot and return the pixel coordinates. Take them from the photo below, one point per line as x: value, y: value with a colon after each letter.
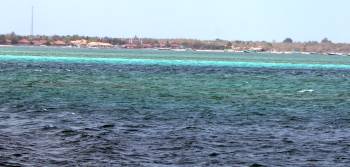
x: 75, y: 37
x: 326, y: 40
x: 12, y: 37
x: 229, y: 45
x: 2, y: 39
x: 168, y: 45
x: 56, y: 37
x: 288, y: 40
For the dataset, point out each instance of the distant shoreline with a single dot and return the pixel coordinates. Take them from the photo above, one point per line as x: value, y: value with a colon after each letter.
x: 288, y: 46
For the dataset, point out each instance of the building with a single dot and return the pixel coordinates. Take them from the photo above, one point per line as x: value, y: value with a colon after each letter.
x: 24, y: 41
x: 58, y: 43
x: 147, y: 45
x: 130, y: 46
x: 99, y: 45
x: 79, y: 43
x: 39, y: 42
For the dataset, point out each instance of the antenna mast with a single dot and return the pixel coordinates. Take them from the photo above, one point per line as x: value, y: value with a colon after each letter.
x: 32, y: 24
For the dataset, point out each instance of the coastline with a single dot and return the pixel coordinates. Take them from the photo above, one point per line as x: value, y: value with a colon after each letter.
x: 182, y: 50
x: 287, y: 46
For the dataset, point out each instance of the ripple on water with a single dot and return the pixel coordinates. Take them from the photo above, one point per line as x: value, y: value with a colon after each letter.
x: 137, y: 115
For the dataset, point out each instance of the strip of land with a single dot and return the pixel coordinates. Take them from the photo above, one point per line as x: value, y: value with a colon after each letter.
x: 287, y: 46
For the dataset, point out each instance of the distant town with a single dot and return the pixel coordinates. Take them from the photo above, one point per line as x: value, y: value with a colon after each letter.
x: 325, y: 46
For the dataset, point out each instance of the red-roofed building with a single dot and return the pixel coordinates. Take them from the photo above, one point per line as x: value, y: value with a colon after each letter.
x: 39, y: 42
x: 24, y: 41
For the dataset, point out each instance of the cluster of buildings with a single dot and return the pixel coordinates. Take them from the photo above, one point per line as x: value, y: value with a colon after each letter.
x: 133, y: 43
x: 137, y: 43
x: 177, y: 44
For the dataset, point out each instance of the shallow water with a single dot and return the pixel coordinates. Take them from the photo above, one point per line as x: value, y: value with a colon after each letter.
x: 66, y: 113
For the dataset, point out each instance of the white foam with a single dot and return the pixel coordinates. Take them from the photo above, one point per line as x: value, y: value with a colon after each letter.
x: 306, y: 91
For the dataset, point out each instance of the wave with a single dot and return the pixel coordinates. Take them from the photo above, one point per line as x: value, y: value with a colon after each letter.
x: 306, y: 91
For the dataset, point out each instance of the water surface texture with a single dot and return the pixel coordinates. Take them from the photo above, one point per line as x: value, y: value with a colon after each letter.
x: 82, y: 107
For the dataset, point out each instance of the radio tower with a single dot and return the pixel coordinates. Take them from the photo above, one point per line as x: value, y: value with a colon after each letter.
x: 32, y: 24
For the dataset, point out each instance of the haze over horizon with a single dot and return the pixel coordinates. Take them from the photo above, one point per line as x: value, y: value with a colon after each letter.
x: 255, y: 20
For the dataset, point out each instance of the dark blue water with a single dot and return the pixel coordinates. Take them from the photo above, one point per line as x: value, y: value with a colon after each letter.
x: 86, y: 114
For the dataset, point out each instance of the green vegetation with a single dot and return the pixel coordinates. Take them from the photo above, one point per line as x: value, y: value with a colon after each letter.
x: 288, y: 40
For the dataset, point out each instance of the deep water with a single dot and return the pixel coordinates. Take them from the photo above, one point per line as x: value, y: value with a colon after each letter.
x: 102, y: 114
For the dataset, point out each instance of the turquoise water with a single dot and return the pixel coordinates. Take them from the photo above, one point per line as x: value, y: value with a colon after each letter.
x: 167, y: 62
x: 175, y: 58
x: 64, y: 107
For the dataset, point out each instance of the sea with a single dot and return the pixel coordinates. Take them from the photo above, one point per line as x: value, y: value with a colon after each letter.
x: 114, y: 107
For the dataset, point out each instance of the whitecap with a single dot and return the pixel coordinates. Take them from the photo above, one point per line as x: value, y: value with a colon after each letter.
x: 306, y: 91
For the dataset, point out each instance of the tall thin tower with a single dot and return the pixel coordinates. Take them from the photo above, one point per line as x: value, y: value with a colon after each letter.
x: 32, y: 24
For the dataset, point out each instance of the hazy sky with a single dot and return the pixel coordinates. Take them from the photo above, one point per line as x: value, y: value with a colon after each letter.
x: 268, y: 20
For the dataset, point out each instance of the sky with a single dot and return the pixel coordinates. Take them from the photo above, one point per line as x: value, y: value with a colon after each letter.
x: 257, y: 20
